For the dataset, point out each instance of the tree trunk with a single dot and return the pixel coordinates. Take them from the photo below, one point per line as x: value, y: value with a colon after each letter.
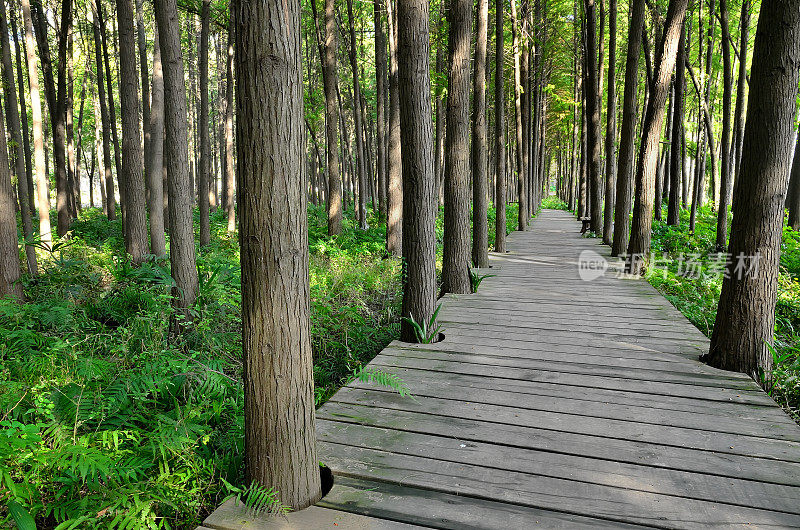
x: 455, y: 261
x: 132, y: 164
x: 726, y: 177
x: 676, y: 148
x: 12, y: 115
x: 480, y: 228
x: 9, y: 254
x: 639, y: 245
x: 230, y: 168
x: 440, y: 101
x: 793, y: 193
x: 330, y: 82
x: 627, y: 142
x: 181, y: 230
x: 112, y: 116
x: 499, y: 139
x: 419, y: 204
x: 593, y: 120
x: 26, y: 143
x: 394, y: 225
x: 743, y: 331
x: 611, y: 128
x: 521, y: 172
x: 358, y: 123
x: 145, y: 76
x: 110, y: 201
x: 741, y: 87
x: 380, y: 91
x: 155, y: 162
x: 280, y: 448
x: 204, y: 171
x: 42, y: 186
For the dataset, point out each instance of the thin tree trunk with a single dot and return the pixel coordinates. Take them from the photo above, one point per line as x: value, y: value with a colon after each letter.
x: 745, y: 323
x: 741, y: 87
x: 380, y: 90
x: 499, y: 127
x: 204, y: 171
x: 182, y: 254
x: 330, y: 81
x: 412, y: 67
x: 480, y: 228
x: 676, y: 147
x: 110, y: 201
x: 394, y: 225
x: 793, y: 193
x: 611, y: 128
x: 112, y: 116
x: 9, y: 254
x: 593, y: 120
x: 639, y: 245
x: 440, y: 101
x: 230, y: 168
x: 726, y: 177
x: 517, y: 46
x: 357, y: 123
x: 155, y: 162
x: 145, y: 76
x: 26, y: 143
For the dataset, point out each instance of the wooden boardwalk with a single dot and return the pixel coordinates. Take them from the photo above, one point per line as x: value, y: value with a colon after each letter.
x: 556, y: 402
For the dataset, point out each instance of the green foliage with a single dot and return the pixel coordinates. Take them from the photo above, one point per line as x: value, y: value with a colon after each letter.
x: 426, y: 332
x: 475, y: 278
x: 553, y: 202
x: 382, y: 378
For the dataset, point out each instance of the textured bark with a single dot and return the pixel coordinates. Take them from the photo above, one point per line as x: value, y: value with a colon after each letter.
x: 155, y: 162
x: 520, y: 159
x: 499, y: 137
x: 611, y: 128
x: 26, y: 143
x: 480, y: 222
x: 132, y: 163
x: 639, y: 245
x: 419, y: 205
x: 230, y: 169
x: 204, y: 170
x: 280, y: 441
x: 441, y: 47
x: 676, y: 147
x: 627, y: 137
x: 358, y: 119
x: 141, y: 40
x: 741, y: 87
x: 182, y: 254
x: 42, y: 186
x: 745, y: 319
x: 726, y: 176
x: 593, y: 120
x: 456, y: 253
x: 112, y: 112
x: 394, y: 225
x: 12, y: 115
x: 793, y: 193
x: 380, y: 104
x: 9, y: 255
x: 108, y: 179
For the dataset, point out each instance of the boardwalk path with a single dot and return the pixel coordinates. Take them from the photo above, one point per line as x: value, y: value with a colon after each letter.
x: 555, y: 401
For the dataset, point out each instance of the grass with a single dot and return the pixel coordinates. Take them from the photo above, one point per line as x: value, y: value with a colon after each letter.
x: 106, y: 420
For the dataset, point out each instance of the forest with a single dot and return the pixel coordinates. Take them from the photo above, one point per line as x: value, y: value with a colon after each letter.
x: 215, y: 209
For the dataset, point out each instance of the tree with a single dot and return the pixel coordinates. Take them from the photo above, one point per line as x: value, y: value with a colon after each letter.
x: 726, y: 177
x: 155, y: 162
x: 12, y: 115
x: 455, y: 261
x: 745, y: 322
x: 419, y: 204
x: 132, y: 164
x: 499, y: 126
x: 639, y: 244
x: 611, y: 128
x: 9, y: 255
x: 42, y: 186
x: 676, y: 153
x: 176, y: 142
x: 793, y: 193
x: 480, y: 228
x: 593, y: 120
x: 26, y: 143
x: 394, y: 223
x: 521, y: 171
x: 110, y: 201
x: 380, y: 106
x: 230, y: 169
x: 280, y: 449
x: 204, y: 171
x: 330, y: 81
x: 627, y: 144
x: 357, y: 120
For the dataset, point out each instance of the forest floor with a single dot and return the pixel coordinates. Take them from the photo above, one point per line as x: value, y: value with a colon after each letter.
x: 106, y: 419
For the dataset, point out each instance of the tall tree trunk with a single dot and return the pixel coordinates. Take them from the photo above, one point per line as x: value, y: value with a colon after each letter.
x: 380, y: 90
x: 480, y: 228
x: 676, y: 147
x: 743, y: 330
x: 499, y: 139
x: 9, y: 254
x: 639, y: 245
x: 440, y: 100
x: 521, y: 172
x: 204, y: 171
x: 593, y: 120
x: 455, y: 261
x: 141, y: 40
x: 42, y: 186
x: 112, y: 116
x: 72, y: 208
x: 330, y: 81
x: 611, y: 128
x: 26, y: 143
x: 358, y: 119
x: 155, y: 162
x: 280, y: 449
x: 394, y: 225
x: 741, y: 87
x: 419, y: 204
x: 726, y: 177
x: 181, y: 230
x: 627, y: 138
x: 793, y: 193
x: 12, y: 115
x: 110, y: 201
x: 132, y: 164
x: 230, y: 168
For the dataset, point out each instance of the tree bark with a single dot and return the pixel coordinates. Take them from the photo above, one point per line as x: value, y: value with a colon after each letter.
x: 627, y: 137
x: 593, y: 120
x: 455, y: 261
x: 182, y: 253
x: 357, y: 123
x: 521, y: 171
x: 155, y: 162
x: 499, y: 137
x: 676, y: 149
x: 639, y: 245
x: 112, y: 114
x: 280, y: 439
x: 419, y: 204
x: 480, y: 222
x: 12, y: 115
x: 230, y: 168
x: 110, y: 200
x: 26, y: 143
x: 743, y: 330
x: 141, y: 40
x: 132, y: 164
x: 42, y: 186
x: 394, y: 225
x: 9, y: 255
x: 793, y: 193
x: 611, y: 128
x: 741, y: 87
x: 726, y: 177
x: 204, y: 172
x: 380, y: 91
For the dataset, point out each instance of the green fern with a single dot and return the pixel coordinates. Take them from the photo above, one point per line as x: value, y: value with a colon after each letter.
x: 475, y: 279
x: 379, y: 377
x: 426, y: 332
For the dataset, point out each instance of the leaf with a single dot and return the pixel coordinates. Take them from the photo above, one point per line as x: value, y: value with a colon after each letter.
x: 21, y: 517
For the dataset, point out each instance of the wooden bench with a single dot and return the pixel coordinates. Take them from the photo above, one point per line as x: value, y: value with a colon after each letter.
x: 586, y: 223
